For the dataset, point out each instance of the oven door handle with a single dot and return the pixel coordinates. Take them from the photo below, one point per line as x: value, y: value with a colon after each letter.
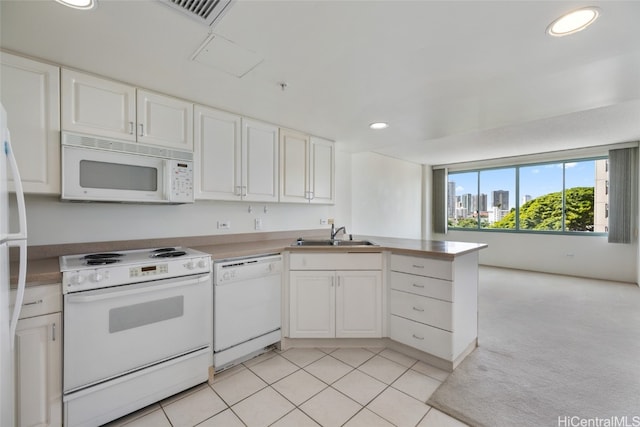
x: 142, y: 288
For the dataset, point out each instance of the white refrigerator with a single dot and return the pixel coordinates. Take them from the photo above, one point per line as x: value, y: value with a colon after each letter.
x: 8, y: 317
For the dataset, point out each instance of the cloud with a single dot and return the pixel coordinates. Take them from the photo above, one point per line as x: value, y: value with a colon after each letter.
x: 459, y: 189
x: 570, y: 165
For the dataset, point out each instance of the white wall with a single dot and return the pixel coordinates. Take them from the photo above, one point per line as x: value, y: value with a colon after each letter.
x: 386, y: 196
x: 51, y: 221
x: 585, y: 256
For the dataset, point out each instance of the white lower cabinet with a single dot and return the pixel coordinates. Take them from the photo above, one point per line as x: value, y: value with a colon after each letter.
x: 335, y: 303
x: 433, y: 303
x: 38, y: 363
x: 340, y: 304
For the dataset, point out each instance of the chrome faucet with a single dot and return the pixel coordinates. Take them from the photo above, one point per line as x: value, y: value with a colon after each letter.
x: 335, y: 231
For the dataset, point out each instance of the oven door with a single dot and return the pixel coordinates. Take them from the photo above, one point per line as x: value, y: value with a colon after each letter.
x: 102, y: 175
x: 113, y: 331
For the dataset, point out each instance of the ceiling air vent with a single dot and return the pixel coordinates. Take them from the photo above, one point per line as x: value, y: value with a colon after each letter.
x: 206, y: 12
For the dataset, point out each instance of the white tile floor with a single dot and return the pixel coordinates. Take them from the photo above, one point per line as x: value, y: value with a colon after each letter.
x: 308, y: 387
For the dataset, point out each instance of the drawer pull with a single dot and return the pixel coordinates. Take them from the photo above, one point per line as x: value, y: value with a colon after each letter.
x: 53, y: 332
x: 33, y: 303
x: 418, y: 309
x: 415, y: 285
x: 417, y: 337
x: 417, y: 266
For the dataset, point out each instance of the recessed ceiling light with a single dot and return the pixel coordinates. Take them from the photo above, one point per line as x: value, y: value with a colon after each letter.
x: 573, y: 22
x: 79, y: 4
x: 378, y: 125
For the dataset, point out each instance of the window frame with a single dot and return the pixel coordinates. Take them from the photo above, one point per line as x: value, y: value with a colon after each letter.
x: 517, y: 167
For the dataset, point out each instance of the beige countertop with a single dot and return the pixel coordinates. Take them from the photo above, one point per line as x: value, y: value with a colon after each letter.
x: 45, y: 269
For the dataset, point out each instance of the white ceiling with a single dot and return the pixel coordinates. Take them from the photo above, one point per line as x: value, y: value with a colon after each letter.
x: 456, y: 80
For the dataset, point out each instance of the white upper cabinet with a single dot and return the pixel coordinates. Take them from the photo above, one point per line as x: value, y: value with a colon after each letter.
x: 96, y: 106
x: 322, y: 171
x: 236, y: 158
x: 30, y: 92
x: 218, y: 154
x: 294, y: 172
x: 163, y: 120
x: 307, y: 168
x: 260, y: 161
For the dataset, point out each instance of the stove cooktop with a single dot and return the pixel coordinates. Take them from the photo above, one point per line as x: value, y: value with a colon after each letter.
x: 125, y: 258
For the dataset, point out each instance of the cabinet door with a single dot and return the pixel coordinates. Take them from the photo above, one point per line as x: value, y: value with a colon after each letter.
x: 217, y: 153
x: 98, y: 106
x: 294, y: 167
x: 30, y: 92
x: 312, y: 304
x: 359, y: 304
x: 39, y: 371
x: 322, y: 174
x: 163, y: 120
x: 260, y: 161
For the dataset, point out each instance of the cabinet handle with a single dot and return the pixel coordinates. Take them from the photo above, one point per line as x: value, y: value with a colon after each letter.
x: 415, y: 285
x: 240, y: 190
x: 417, y: 266
x: 332, y: 281
x: 311, y: 195
x: 33, y: 303
x: 131, y: 128
x: 338, y: 281
x: 53, y: 332
x: 141, y: 129
x: 417, y: 337
x: 418, y: 309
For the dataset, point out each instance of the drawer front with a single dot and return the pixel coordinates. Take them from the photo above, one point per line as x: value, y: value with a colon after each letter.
x: 335, y: 261
x: 422, y: 337
x: 430, y: 311
x: 440, y: 269
x: 421, y: 285
x: 39, y: 300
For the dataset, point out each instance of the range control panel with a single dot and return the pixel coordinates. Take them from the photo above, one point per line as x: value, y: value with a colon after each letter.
x: 148, y: 270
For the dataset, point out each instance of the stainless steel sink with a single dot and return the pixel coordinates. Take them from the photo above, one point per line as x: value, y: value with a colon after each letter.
x: 355, y: 243
x: 328, y: 242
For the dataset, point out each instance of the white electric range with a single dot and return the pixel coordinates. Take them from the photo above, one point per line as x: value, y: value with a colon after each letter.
x: 137, y: 329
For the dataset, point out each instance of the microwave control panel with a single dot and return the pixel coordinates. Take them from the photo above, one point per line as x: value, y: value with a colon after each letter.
x: 181, y: 181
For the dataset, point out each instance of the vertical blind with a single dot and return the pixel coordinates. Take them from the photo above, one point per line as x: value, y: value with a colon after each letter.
x: 439, y: 201
x: 623, y: 195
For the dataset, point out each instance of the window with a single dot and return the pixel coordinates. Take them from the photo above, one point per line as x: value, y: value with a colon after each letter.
x: 541, y: 197
x: 566, y: 197
x: 463, y: 206
x: 497, y: 191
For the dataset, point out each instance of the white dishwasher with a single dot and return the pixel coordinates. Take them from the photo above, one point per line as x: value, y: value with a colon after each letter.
x: 246, y: 308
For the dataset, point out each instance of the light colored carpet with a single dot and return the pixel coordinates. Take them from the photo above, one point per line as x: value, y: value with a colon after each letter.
x: 549, y: 346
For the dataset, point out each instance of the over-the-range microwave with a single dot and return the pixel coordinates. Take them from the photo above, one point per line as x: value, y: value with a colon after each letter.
x: 107, y: 170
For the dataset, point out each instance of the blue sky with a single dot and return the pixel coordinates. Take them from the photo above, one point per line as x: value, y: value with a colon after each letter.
x: 535, y: 180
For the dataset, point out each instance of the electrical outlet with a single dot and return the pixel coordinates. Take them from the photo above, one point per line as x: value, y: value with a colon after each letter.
x: 224, y: 224
x: 258, y: 224
x: 324, y: 221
